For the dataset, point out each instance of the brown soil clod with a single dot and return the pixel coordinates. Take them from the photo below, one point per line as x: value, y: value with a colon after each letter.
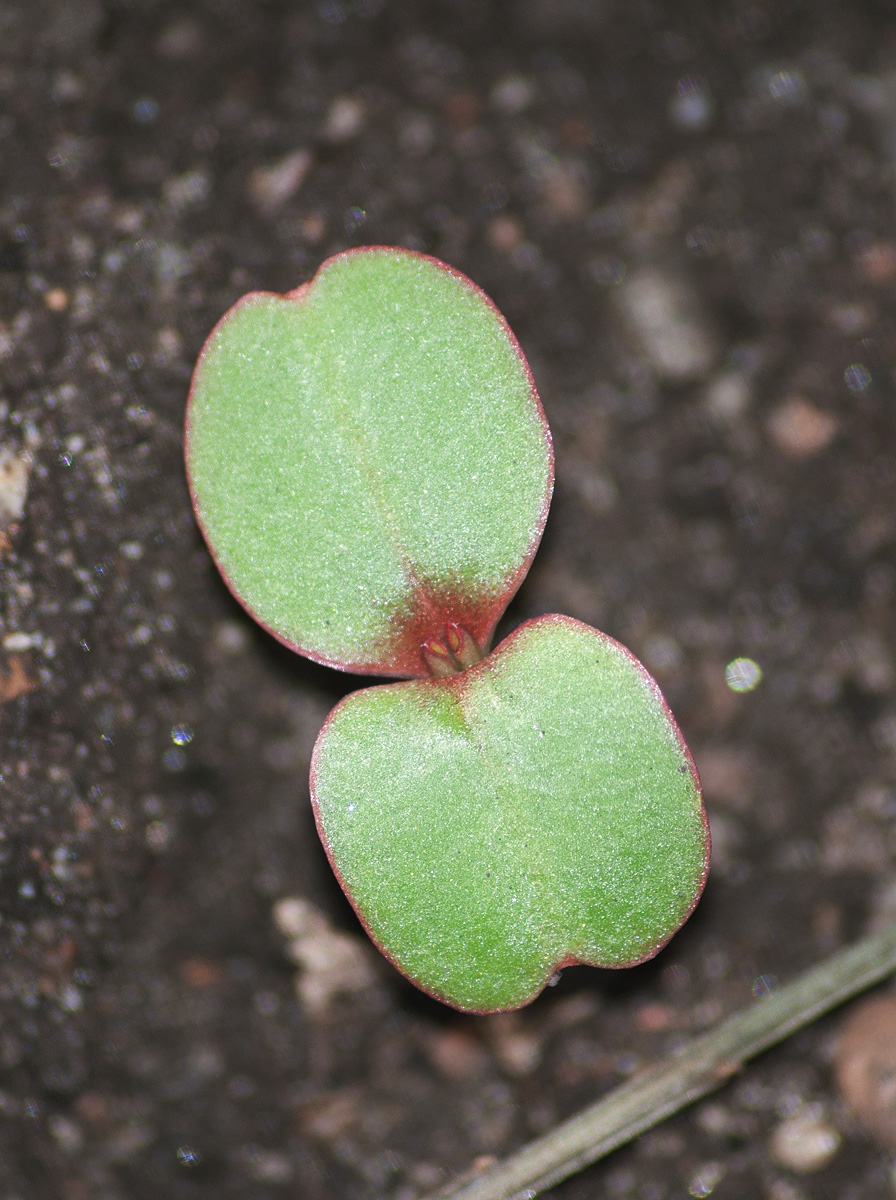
x: 865, y: 1066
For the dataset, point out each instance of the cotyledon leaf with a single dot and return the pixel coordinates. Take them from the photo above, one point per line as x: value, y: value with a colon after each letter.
x: 369, y: 460
x: 538, y: 809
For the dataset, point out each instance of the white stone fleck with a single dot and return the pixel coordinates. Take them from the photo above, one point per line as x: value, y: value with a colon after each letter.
x: 691, y: 107
x: 14, y: 472
x: 512, y: 95
x: 271, y: 186
x: 187, y: 190
x: 231, y: 638
x: 344, y: 119
x: 806, y: 1141
x: 17, y: 642
x: 70, y: 998
x: 269, y: 1166
x: 728, y: 397
x: 66, y: 1133
x: 662, y: 313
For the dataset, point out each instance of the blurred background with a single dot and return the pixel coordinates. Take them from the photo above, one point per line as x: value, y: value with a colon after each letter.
x: 686, y: 212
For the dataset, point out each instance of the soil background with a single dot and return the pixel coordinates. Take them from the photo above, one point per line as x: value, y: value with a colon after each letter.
x: 686, y: 212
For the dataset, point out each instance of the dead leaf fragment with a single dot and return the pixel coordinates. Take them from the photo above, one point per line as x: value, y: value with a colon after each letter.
x: 865, y: 1066
x: 330, y: 963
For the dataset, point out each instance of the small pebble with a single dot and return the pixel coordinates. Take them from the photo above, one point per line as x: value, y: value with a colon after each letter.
x: 344, y: 119
x: 714, y: 1119
x: 417, y: 134
x: 168, y: 346
x: 655, y: 1018
x: 268, y: 1166
x: 512, y: 95
x: 664, y: 316
x: 271, y: 186
x: 850, y: 320
x: 457, y: 1054
x: 14, y: 473
x: 56, y: 300
x: 691, y: 108
x: 877, y: 262
x: 563, y: 191
x: 576, y: 133
x: 728, y: 397
x: 180, y: 39
x: 70, y: 998
x: 662, y: 653
x: 781, y: 1189
x: 158, y: 836
x: 462, y: 109
x: 201, y: 973
x: 92, y: 1107
x: 17, y: 641
x: 187, y: 190
x: 16, y: 680
x: 230, y: 638
x: 799, y: 429
x: 483, y: 1163
x: 313, y: 227
x: 865, y: 1066
x: 504, y: 232
x: 330, y: 1115
x: 805, y: 1142
x: 517, y: 1048
x: 66, y: 1133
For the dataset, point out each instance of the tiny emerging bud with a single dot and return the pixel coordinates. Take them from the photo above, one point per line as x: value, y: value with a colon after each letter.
x: 456, y: 650
x: 439, y: 660
x: 463, y: 646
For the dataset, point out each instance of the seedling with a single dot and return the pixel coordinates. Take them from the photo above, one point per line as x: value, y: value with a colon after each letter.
x: 371, y: 468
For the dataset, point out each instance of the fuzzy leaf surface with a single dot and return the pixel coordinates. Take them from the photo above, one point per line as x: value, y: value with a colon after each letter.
x: 539, y: 809
x: 369, y: 460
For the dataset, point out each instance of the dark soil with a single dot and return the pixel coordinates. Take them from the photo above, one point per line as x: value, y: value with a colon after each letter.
x: 739, y: 505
